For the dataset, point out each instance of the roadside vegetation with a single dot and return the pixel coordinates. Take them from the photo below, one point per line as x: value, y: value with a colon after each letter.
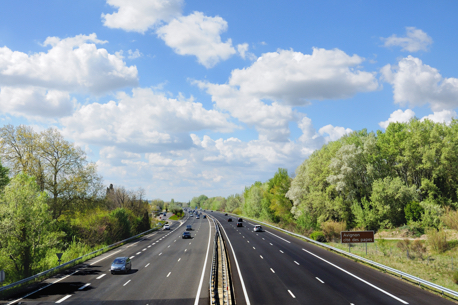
x: 53, y: 201
x: 403, y: 177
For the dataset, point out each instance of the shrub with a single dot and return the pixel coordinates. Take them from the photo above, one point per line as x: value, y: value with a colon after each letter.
x: 437, y: 240
x: 413, y: 211
x: 331, y: 229
x: 237, y: 211
x: 450, y: 218
x: 318, y: 236
x: 455, y: 277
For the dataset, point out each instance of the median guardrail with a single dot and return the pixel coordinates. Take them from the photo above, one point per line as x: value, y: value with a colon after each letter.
x: 73, y: 261
x: 402, y: 275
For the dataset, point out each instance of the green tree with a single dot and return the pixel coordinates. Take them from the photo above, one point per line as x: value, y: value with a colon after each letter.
x: 26, y: 226
x: 4, y: 179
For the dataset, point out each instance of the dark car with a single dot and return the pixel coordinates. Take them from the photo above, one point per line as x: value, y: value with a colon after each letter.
x: 188, y: 228
x: 240, y: 220
x: 229, y: 220
x: 239, y: 224
x: 205, y: 216
x: 225, y: 214
x: 121, y: 264
x: 186, y: 234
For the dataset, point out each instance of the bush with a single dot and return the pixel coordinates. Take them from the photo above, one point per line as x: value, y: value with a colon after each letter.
x: 455, y: 277
x: 237, y: 211
x: 331, y: 229
x: 437, y: 240
x: 450, y: 219
x: 318, y: 236
x: 413, y: 211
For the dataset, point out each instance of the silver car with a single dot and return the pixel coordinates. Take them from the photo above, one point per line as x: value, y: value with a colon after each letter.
x: 121, y: 264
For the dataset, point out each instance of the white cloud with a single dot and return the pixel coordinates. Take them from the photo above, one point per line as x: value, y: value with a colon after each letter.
x: 198, y: 35
x: 242, y: 49
x: 334, y: 133
x: 263, y: 94
x: 398, y: 116
x: 144, y: 121
x: 141, y: 15
x: 36, y: 103
x: 415, y: 40
x: 417, y: 84
x: 444, y: 116
x: 134, y: 54
x: 73, y: 64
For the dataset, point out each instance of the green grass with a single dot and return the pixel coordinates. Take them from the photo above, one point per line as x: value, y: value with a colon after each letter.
x: 436, y: 269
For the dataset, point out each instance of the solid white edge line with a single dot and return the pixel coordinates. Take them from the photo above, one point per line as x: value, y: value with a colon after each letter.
x: 238, y: 268
x: 64, y: 298
x: 291, y: 294
x: 104, y: 258
x: 196, y: 302
x: 319, y: 280
x: 356, y: 277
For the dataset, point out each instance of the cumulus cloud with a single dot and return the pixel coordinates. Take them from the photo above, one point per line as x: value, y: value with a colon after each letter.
x: 143, y: 121
x: 36, y: 103
x: 417, y: 84
x: 398, y: 116
x: 72, y: 64
x: 444, y: 116
x: 415, y: 40
x: 134, y: 54
x: 242, y: 49
x: 333, y: 133
x: 198, y: 35
x: 263, y: 94
x: 139, y: 16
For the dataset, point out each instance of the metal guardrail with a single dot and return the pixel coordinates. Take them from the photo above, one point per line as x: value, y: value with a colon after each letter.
x: 214, y: 268
x: 41, y: 274
x: 403, y: 275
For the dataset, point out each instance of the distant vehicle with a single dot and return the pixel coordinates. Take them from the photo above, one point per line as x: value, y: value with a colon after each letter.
x: 239, y: 224
x: 121, y: 264
x: 191, y: 215
x: 240, y: 220
x: 188, y: 228
x: 165, y: 214
x: 257, y: 228
x: 225, y: 214
x: 186, y: 234
x: 197, y: 217
x: 229, y: 220
x: 205, y: 216
x: 166, y: 227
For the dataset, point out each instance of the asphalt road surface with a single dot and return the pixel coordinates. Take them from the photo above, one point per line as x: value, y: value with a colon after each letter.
x: 275, y: 268
x: 166, y: 269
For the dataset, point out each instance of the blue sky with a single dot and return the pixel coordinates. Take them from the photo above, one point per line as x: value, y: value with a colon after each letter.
x: 186, y: 98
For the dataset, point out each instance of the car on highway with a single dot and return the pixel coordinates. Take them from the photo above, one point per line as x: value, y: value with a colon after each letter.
x: 165, y: 214
x: 188, y: 228
x: 191, y: 215
x: 205, y: 216
x: 166, y: 227
x: 257, y: 228
x: 121, y: 264
x: 229, y: 220
x: 197, y: 217
x: 186, y: 234
x: 225, y: 214
x: 239, y: 224
x: 240, y: 220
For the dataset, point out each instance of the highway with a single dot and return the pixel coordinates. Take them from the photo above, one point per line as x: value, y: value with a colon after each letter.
x: 275, y: 268
x: 166, y: 269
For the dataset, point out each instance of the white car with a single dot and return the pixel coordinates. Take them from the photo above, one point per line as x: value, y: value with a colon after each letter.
x: 166, y: 227
x: 257, y: 228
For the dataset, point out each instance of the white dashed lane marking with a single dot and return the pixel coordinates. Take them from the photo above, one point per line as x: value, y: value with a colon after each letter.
x: 127, y: 283
x: 98, y: 278
x: 272, y: 270
x: 291, y: 294
x: 320, y: 280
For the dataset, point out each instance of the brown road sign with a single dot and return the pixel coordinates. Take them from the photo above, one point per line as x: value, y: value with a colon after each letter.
x: 354, y: 237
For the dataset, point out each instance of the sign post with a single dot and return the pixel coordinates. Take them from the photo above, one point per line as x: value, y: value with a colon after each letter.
x: 356, y: 237
x: 59, y: 256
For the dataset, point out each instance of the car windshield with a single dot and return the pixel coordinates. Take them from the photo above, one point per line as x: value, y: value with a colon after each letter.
x: 119, y: 261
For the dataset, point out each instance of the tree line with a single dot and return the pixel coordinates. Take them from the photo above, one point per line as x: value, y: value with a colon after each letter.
x: 53, y: 200
x: 405, y: 175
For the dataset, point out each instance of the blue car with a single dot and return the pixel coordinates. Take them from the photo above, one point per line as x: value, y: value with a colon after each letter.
x: 186, y: 234
x: 121, y: 264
